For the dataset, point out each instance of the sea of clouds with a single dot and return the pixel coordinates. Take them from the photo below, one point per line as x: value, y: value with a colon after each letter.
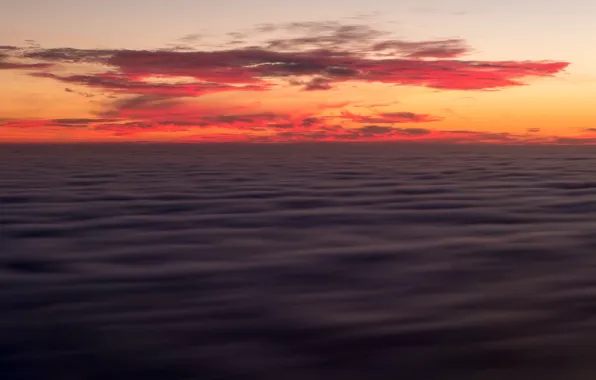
x: 313, y: 261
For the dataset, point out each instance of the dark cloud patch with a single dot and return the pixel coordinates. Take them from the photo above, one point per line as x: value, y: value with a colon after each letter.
x: 375, y: 130
x: 341, y: 133
x: 243, y: 118
x: 309, y: 121
x: 533, y: 130
x: 23, y: 66
x: 336, y: 30
x: 414, y: 131
x: 280, y: 125
x: 23, y: 123
x: 391, y: 117
x: 502, y: 137
x: 237, y: 35
x: 198, y: 118
x: 81, y: 93
x: 125, y: 129
x: 125, y: 84
x: 318, y: 84
x: 401, y: 115
x: 337, y: 71
x: 305, y: 135
x: 72, y: 55
x: 137, y: 127
x: 145, y: 106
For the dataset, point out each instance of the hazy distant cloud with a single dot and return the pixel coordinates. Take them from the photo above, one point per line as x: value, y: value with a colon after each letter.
x: 81, y: 93
x: 323, y: 35
x: 191, y: 38
x: 413, y: 131
x: 82, y: 121
x: 67, y: 123
x: 146, y: 107
x: 285, y: 128
x: 23, y: 123
x: 429, y: 10
x: 389, y: 133
x: 326, y: 28
x: 391, y: 117
x: 375, y: 130
x: 575, y: 140
x: 242, y: 118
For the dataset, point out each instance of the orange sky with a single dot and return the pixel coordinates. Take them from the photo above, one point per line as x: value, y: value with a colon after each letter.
x: 350, y: 79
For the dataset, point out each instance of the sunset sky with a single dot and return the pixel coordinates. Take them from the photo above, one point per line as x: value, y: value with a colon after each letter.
x: 311, y: 70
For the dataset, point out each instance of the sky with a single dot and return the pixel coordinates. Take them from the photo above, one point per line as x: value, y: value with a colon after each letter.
x: 505, y: 72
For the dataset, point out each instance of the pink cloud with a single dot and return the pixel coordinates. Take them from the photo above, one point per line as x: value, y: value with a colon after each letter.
x: 330, y: 52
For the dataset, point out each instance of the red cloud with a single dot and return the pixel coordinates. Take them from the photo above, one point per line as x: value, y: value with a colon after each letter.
x: 330, y: 52
x: 457, y: 75
x: 254, y: 66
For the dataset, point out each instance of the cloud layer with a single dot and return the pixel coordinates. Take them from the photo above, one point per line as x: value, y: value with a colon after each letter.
x: 345, y: 262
